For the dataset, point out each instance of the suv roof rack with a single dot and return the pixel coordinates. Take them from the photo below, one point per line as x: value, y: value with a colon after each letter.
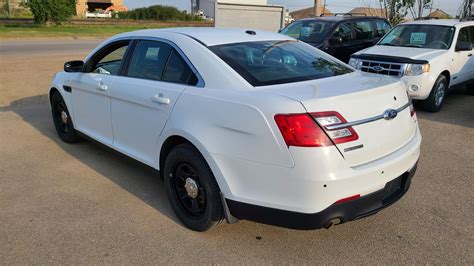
x: 350, y: 14
x: 426, y: 18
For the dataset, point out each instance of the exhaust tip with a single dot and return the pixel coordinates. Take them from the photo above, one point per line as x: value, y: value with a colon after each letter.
x: 334, y: 221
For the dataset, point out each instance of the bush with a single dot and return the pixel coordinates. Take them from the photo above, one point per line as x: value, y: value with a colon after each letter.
x: 56, y: 11
x: 157, y: 12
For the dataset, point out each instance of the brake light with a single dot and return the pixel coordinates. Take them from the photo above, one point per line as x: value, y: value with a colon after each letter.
x: 300, y: 130
x: 339, y: 135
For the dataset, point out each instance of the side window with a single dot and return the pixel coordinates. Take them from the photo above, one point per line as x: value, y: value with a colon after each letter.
x: 382, y: 27
x: 343, y: 31
x: 110, y: 61
x: 471, y: 30
x: 148, y: 60
x: 178, y: 71
x: 464, y: 35
x: 294, y: 30
x: 363, y: 30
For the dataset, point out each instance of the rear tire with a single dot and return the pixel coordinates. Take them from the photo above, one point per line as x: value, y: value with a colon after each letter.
x: 192, y: 189
x: 62, y: 119
x: 436, y: 99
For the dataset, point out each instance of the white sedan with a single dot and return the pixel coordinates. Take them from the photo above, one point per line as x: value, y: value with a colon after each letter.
x: 244, y: 124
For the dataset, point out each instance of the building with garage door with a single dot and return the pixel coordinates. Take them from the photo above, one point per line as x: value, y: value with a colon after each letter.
x: 84, y: 6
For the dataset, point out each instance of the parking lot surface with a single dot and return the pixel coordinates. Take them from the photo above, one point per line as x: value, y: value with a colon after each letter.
x: 85, y: 204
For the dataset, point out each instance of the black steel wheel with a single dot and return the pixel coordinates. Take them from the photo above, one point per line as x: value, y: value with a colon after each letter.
x: 62, y: 119
x: 188, y: 190
x: 192, y: 189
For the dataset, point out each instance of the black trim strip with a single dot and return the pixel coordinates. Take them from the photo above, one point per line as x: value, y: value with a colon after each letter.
x: 387, y: 58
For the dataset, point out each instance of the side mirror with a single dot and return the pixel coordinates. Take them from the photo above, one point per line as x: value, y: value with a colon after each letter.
x: 73, y: 66
x: 463, y: 46
x: 335, y: 40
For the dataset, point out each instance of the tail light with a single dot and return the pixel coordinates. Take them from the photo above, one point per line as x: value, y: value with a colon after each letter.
x: 339, y: 135
x: 309, y: 130
x: 300, y: 130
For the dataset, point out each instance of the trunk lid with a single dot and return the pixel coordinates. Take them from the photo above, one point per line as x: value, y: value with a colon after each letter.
x: 358, y: 96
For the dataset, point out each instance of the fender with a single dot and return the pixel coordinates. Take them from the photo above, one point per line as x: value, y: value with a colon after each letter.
x: 207, y: 156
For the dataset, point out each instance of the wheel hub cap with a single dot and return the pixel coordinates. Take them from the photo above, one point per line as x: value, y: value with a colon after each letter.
x: 64, y: 117
x: 440, y: 94
x: 191, y: 188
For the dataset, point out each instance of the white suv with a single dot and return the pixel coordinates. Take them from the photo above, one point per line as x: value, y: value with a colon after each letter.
x: 429, y: 56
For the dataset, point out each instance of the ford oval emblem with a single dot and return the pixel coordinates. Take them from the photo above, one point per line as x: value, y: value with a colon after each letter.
x: 390, y: 114
x: 377, y: 68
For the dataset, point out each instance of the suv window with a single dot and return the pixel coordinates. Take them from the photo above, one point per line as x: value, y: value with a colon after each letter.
x: 364, y: 30
x: 464, y: 35
x: 313, y: 31
x: 471, y: 30
x: 343, y: 31
x: 382, y: 27
x: 148, y: 60
x: 178, y: 71
x: 109, y: 61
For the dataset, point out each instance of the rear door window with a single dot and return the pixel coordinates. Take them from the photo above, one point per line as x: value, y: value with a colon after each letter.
x: 343, y: 31
x: 382, y: 27
x: 149, y: 60
x: 364, y: 30
x: 178, y: 71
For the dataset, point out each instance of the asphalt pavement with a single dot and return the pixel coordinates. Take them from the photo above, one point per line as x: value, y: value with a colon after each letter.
x: 84, y: 204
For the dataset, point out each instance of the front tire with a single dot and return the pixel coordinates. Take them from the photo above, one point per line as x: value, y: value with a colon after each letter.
x: 192, y: 189
x: 435, y: 100
x: 62, y: 119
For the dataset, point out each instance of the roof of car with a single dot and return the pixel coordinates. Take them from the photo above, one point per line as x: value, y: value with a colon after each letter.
x: 441, y: 22
x: 339, y: 18
x: 210, y: 36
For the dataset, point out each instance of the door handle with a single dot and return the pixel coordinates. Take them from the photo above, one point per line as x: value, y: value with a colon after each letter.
x: 469, y: 55
x: 159, y: 98
x: 102, y: 87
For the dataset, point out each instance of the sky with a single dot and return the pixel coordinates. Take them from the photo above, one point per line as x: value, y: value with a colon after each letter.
x: 337, y: 6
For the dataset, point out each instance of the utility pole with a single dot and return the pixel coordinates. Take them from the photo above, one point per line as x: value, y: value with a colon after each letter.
x: 318, y: 8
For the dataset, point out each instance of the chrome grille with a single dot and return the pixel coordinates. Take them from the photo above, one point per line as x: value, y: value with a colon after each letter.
x: 383, y: 68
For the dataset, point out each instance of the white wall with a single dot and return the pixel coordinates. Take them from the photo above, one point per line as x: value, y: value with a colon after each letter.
x: 209, y: 5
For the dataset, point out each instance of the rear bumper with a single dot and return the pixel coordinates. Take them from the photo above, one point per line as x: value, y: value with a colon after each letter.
x: 342, y: 212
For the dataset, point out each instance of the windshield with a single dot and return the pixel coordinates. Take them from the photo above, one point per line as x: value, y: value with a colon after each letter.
x: 277, y: 62
x: 420, y: 36
x: 312, y: 31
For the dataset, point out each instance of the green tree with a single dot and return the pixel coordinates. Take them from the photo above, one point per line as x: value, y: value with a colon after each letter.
x: 51, y: 11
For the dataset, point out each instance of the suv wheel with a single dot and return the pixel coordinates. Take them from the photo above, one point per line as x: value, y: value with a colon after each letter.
x: 62, y: 119
x: 435, y: 100
x: 192, y: 189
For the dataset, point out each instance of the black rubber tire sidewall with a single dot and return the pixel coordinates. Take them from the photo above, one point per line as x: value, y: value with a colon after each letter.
x: 213, y: 214
x: 430, y: 103
x: 70, y: 136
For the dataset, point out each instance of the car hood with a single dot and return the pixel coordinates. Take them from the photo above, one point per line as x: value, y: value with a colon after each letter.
x: 407, y: 52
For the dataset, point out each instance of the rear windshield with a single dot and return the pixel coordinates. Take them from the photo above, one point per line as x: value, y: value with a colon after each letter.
x: 312, y: 31
x: 278, y: 62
